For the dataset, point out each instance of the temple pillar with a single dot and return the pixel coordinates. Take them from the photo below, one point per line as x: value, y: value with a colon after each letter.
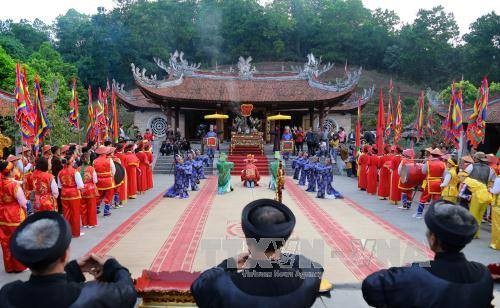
x: 321, y: 115
x: 177, y: 110
x: 311, y: 117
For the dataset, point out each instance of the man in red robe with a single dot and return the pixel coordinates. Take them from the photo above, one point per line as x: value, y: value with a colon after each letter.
x: 70, y: 182
x: 143, y: 166
x: 122, y: 188
x: 384, y: 185
x: 105, y: 170
x: 44, y: 186
x: 132, y: 164
x: 149, y: 171
x: 12, y: 213
x: 395, y: 191
x: 433, y: 169
x: 88, y: 209
x: 363, y: 161
x: 407, y: 191
x: 250, y: 175
x: 372, y: 176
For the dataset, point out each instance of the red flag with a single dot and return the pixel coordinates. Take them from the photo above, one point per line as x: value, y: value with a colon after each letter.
x: 380, y: 122
x: 24, y: 114
x: 477, y: 128
x: 90, y: 124
x: 115, y: 115
x: 390, y: 117
x: 42, y: 124
x: 419, y: 124
x: 74, y: 116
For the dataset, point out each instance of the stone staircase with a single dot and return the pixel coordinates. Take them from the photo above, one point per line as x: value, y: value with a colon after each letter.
x: 165, y: 165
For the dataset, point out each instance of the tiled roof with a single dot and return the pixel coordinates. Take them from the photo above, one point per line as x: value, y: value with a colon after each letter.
x: 134, y: 99
x: 249, y: 91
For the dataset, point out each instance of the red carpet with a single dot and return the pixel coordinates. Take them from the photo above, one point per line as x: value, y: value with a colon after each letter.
x: 240, y: 154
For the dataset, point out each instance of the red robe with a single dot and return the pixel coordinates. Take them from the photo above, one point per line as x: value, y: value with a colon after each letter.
x: 105, y: 181
x: 371, y: 187
x: 132, y: 165
x: 384, y: 185
x: 71, y: 199
x: 122, y: 187
x: 11, y: 216
x: 149, y: 171
x: 142, y: 179
x: 88, y: 206
x: 40, y: 183
x: 395, y: 192
x: 363, y: 161
x: 250, y: 173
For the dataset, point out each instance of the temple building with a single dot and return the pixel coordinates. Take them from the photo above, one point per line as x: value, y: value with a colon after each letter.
x: 188, y: 93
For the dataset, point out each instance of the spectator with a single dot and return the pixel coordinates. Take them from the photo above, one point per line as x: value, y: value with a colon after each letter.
x: 42, y: 243
x: 342, y: 135
x: 450, y: 280
x: 170, y: 133
x: 148, y: 135
x: 311, y: 141
x: 299, y: 139
x: 276, y: 133
x: 334, y: 146
x: 166, y: 147
x: 177, y: 134
x: 257, y: 278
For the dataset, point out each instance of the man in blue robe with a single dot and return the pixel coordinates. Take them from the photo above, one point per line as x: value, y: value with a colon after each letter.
x: 302, y: 164
x: 310, y: 170
x: 179, y: 189
x: 296, y: 165
x: 328, y: 173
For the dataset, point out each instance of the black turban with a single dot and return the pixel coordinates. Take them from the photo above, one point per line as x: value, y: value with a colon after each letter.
x: 36, y: 258
x: 279, y: 230
x: 446, y: 231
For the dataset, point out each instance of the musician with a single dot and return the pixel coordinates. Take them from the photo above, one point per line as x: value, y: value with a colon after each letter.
x: 406, y: 190
x: 263, y: 276
x: 132, y: 168
x: 120, y: 157
x: 250, y: 175
x: 88, y: 208
x: 450, y: 181
x: 45, y: 187
x: 480, y: 174
x: 179, y: 189
x: 384, y: 184
x: 372, y: 172
x: 363, y: 162
x: 70, y: 182
x: 433, y: 168
x: 12, y: 213
x: 450, y: 280
x: 105, y: 169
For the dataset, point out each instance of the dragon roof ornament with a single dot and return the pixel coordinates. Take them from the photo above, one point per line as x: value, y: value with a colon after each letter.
x: 152, y: 80
x: 312, y: 68
x: 177, y: 65
x: 245, y: 69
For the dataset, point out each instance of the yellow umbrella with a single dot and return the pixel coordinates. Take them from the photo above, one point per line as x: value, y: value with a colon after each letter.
x: 279, y: 117
x: 216, y: 116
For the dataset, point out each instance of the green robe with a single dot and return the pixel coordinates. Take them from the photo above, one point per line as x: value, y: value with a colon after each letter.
x: 224, y: 182
x: 273, y: 170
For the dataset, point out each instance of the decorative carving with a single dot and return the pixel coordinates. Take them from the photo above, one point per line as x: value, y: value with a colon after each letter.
x: 177, y: 65
x: 140, y: 77
x: 245, y: 69
x: 312, y: 68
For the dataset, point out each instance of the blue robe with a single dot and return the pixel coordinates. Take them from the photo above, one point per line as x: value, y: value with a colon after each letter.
x: 303, y: 173
x: 179, y: 189
x: 328, y: 181
x: 297, y: 165
x: 309, y: 169
x: 191, y: 178
x: 321, y: 177
x: 205, y: 162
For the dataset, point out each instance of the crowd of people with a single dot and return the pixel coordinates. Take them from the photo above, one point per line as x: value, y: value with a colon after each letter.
x: 395, y: 174
x: 79, y: 182
x: 188, y: 171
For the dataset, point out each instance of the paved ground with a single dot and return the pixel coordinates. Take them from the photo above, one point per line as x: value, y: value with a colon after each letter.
x: 160, y: 239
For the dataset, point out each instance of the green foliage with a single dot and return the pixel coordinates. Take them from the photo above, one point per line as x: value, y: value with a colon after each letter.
x: 469, y: 93
x: 7, y: 67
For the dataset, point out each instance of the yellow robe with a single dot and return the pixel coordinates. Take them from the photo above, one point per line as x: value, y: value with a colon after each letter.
x: 495, y: 223
x: 480, y: 200
x: 450, y: 192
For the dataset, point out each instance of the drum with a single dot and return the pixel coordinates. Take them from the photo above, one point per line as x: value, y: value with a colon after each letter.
x: 411, y: 174
x: 119, y: 173
x: 287, y: 146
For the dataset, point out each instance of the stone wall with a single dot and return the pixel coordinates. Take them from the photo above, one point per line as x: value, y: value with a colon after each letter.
x: 144, y: 120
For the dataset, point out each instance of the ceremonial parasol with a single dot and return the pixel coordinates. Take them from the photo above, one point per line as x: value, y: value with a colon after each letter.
x: 279, y: 117
x: 216, y: 116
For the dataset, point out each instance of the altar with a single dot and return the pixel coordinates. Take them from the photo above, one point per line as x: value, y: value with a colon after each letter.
x: 241, y: 141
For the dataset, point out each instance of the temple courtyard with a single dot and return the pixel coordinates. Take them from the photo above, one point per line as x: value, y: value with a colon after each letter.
x: 350, y: 237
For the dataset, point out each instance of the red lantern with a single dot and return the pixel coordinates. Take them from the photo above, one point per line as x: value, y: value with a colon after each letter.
x: 246, y: 110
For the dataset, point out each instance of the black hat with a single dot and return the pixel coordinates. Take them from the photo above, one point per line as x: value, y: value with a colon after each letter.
x: 280, y: 230
x: 448, y: 232
x: 35, y: 258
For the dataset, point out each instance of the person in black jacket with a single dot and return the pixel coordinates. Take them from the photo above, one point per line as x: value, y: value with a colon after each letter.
x: 42, y: 243
x: 263, y: 277
x: 450, y: 280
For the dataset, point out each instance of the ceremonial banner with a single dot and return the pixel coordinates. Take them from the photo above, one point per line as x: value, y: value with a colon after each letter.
x: 42, y: 124
x: 476, y: 129
x: 74, y: 108
x: 398, y: 122
x: 456, y: 117
x: 358, y: 129
x: 380, y: 122
x: 24, y: 114
x: 115, y: 115
x: 390, y: 117
x: 419, y: 124
x: 91, y: 121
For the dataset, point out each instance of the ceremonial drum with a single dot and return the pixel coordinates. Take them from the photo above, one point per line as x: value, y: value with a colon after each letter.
x: 411, y: 174
x: 119, y: 173
x: 287, y: 146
